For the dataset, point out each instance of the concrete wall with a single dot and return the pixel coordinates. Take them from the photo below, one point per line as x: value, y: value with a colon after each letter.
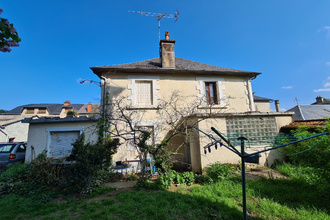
x: 38, y: 136
x: 17, y: 130
x: 262, y: 106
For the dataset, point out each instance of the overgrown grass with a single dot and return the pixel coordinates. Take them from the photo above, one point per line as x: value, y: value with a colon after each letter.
x: 299, y: 197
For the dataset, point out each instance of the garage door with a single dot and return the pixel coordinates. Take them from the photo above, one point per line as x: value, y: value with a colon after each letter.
x: 61, y: 143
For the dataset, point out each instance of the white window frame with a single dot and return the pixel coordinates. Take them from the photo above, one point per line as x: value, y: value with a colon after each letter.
x: 219, y: 89
x: 132, y: 87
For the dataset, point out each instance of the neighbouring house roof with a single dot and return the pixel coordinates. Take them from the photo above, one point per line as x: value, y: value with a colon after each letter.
x: 35, y: 120
x: 322, y: 101
x: 310, y: 112
x: 53, y: 109
x: 313, y: 124
x: 10, y: 119
x: 261, y: 99
x: 83, y: 109
x: 181, y: 66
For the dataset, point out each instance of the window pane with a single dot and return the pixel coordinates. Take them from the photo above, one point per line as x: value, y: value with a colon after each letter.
x: 211, y: 93
x: 6, y: 148
x: 30, y: 111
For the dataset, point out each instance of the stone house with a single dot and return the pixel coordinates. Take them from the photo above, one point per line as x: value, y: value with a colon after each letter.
x: 221, y: 98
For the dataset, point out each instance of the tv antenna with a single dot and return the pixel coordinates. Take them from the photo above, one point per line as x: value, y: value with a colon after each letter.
x: 159, y: 16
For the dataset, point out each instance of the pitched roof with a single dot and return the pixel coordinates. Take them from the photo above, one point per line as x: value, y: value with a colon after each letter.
x: 181, y: 65
x: 310, y: 112
x: 324, y: 102
x: 261, y: 99
x: 35, y: 120
x: 53, y: 109
x: 10, y: 119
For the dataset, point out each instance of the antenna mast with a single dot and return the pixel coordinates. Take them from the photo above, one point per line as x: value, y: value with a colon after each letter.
x: 159, y: 16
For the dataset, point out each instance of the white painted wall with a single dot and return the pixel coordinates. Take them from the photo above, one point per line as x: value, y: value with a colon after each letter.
x: 17, y: 130
x: 39, y: 134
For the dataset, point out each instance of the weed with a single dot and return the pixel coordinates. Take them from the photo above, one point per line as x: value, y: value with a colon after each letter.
x: 218, y: 171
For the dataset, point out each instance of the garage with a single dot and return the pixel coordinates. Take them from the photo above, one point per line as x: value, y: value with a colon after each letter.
x: 61, y: 143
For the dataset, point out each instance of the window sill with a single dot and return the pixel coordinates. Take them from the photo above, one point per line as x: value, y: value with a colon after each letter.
x: 149, y: 107
x: 211, y: 107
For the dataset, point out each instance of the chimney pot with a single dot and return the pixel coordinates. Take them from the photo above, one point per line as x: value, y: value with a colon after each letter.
x: 67, y: 102
x: 277, y: 106
x: 319, y: 99
x: 89, y: 107
x: 167, y: 35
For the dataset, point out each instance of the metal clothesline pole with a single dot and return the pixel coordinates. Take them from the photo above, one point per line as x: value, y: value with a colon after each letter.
x: 242, y: 139
x: 244, y: 156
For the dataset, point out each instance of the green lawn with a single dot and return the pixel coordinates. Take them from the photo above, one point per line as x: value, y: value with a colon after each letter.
x: 293, y: 198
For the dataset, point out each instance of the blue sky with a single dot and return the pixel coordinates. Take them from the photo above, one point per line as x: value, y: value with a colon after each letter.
x: 287, y: 41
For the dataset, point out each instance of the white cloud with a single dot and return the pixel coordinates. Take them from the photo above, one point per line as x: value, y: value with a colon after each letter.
x: 325, y: 29
x: 322, y: 90
x: 326, y: 86
x: 287, y: 87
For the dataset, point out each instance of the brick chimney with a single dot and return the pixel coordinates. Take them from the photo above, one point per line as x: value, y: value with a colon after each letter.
x: 319, y: 100
x: 67, y: 102
x: 167, y: 56
x: 89, y: 107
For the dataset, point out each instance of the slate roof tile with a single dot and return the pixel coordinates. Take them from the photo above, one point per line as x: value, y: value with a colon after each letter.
x: 180, y: 65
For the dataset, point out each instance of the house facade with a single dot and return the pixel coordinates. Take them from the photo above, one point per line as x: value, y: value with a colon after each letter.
x: 166, y: 88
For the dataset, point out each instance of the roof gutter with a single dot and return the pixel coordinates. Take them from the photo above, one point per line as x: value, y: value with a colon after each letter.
x: 99, y: 71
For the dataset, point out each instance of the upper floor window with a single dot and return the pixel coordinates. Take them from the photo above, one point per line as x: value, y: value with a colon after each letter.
x: 211, y: 93
x: 29, y: 111
x: 144, y: 93
x: 42, y: 111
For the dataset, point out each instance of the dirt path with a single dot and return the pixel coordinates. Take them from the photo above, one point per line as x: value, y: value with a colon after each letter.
x: 257, y: 173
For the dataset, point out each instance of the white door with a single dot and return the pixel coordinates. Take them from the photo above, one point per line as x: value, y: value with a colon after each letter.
x: 61, y: 143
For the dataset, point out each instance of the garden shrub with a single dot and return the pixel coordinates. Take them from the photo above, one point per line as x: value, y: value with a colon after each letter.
x: 44, y: 174
x: 189, y: 178
x: 203, y: 180
x: 318, y: 156
x: 13, y: 172
x: 218, y: 172
x: 82, y: 175
x: 302, y: 154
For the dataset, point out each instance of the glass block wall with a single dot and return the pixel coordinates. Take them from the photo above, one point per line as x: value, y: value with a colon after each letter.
x: 258, y: 130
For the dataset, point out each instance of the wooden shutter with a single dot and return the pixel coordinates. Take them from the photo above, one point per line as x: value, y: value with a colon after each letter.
x: 143, y: 93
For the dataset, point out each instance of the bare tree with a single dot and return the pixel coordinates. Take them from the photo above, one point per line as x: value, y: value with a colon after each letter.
x: 177, y: 114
